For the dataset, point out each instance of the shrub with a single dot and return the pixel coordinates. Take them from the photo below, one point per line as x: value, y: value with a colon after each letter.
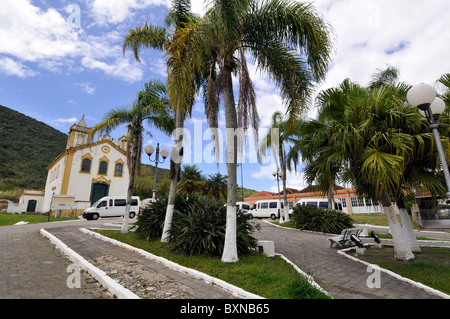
x: 321, y: 220
x: 200, y: 229
x: 198, y: 225
x: 150, y: 222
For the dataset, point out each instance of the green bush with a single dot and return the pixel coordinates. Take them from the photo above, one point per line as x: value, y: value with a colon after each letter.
x: 150, y: 222
x: 321, y: 220
x: 198, y: 226
x: 200, y: 230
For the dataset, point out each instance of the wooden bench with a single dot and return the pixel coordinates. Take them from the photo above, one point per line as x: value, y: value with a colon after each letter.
x: 343, y: 239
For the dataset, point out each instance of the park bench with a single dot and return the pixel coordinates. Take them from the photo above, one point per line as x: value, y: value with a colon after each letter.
x: 344, y: 238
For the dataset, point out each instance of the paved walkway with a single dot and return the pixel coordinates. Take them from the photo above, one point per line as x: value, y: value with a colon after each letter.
x: 336, y: 274
x: 31, y: 266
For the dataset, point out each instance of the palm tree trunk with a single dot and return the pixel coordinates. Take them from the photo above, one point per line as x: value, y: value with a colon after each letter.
x: 402, y: 250
x: 285, y: 211
x: 177, y: 154
x: 134, y: 153
x: 331, y: 196
x: 407, y: 227
x: 230, y: 247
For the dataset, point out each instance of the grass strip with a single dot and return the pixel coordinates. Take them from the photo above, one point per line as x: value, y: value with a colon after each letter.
x: 11, y: 219
x: 271, y: 278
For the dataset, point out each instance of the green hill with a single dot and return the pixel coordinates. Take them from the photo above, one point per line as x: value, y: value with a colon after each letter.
x: 27, y: 147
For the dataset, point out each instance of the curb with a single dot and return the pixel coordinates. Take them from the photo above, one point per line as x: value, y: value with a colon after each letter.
x: 343, y: 252
x: 106, y: 281
x: 308, y: 277
x: 238, y: 292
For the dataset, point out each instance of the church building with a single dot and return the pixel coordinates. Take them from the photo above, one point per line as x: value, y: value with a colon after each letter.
x: 87, y: 170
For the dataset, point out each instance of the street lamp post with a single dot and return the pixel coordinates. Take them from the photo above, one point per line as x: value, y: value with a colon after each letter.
x: 149, y: 149
x: 423, y: 96
x: 277, y: 174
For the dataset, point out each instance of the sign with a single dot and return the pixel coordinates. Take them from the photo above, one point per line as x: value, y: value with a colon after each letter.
x: 63, y: 202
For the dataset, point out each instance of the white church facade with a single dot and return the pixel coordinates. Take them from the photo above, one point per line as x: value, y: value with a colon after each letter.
x: 87, y: 170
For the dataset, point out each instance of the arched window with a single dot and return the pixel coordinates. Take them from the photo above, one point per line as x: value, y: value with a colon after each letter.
x: 119, y: 169
x: 86, y: 165
x: 103, y: 168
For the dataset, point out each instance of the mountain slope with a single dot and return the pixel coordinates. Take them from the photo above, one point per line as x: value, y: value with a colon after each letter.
x: 27, y: 147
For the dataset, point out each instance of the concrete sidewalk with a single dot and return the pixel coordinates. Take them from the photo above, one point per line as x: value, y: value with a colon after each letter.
x: 339, y: 276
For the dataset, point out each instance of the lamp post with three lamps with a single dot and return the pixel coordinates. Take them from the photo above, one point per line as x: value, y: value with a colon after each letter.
x: 279, y: 174
x: 149, y: 149
x: 423, y: 96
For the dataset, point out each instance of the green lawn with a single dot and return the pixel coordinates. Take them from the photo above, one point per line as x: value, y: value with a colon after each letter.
x: 431, y: 267
x: 11, y: 219
x: 372, y: 219
x: 271, y: 278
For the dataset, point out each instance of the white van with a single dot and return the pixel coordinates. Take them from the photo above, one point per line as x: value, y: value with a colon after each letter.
x: 112, y: 206
x: 319, y: 202
x: 266, y: 208
x: 242, y: 207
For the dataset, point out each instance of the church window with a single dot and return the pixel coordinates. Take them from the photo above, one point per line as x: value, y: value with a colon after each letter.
x: 119, y: 169
x: 103, y: 168
x: 86, y: 165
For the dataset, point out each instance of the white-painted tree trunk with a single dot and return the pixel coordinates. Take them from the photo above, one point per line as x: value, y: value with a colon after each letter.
x: 176, y: 158
x: 134, y: 152
x: 230, y: 254
x: 402, y: 251
x: 408, y: 231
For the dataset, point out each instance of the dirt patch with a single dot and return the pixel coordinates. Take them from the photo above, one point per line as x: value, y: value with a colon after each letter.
x: 142, y: 281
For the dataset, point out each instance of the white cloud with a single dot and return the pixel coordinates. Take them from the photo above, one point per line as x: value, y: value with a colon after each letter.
x: 10, y: 67
x: 34, y: 35
x: 412, y: 35
x: 68, y: 120
x: 116, y: 11
x: 86, y: 87
x: 29, y: 33
x: 121, y: 68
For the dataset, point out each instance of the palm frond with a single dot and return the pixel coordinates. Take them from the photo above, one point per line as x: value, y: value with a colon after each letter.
x: 148, y: 36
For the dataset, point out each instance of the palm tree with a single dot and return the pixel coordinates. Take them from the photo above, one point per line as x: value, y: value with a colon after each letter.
x: 316, y: 139
x: 157, y: 37
x: 283, y: 137
x: 152, y: 105
x: 445, y: 81
x: 191, y: 180
x: 279, y: 35
x: 216, y: 186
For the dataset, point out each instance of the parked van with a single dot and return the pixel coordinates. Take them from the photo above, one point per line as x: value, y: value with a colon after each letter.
x: 319, y: 202
x: 266, y: 209
x: 112, y: 206
x: 242, y: 207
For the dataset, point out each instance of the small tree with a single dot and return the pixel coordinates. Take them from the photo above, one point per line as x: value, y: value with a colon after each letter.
x: 151, y: 105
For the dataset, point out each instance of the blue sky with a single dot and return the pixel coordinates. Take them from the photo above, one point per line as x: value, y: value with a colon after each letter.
x: 62, y: 59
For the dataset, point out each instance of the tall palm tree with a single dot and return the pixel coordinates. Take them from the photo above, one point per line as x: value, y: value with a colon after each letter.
x: 191, y: 180
x: 278, y: 138
x: 156, y: 37
x: 279, y: 35
x: 152, y: 105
